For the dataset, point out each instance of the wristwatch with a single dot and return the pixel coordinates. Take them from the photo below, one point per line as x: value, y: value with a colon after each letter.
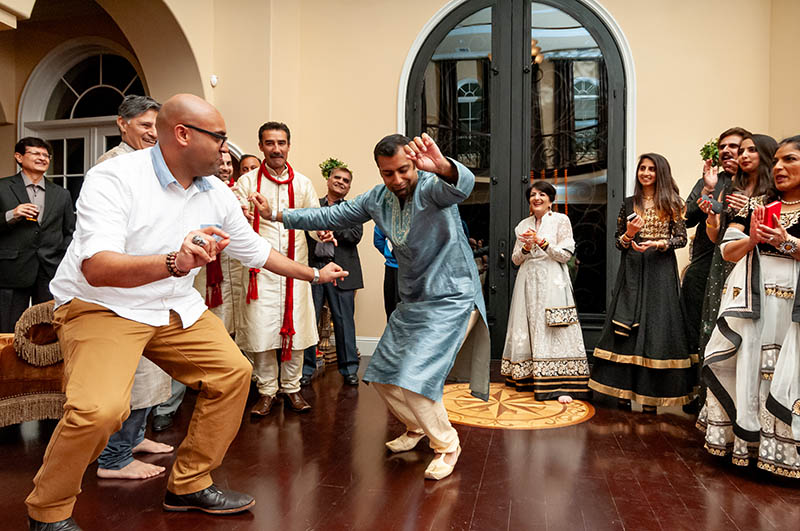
x: 315, y: 280
x: 787, y: 247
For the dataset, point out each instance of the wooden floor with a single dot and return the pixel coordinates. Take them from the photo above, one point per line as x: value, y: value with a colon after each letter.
x: 328, y: 469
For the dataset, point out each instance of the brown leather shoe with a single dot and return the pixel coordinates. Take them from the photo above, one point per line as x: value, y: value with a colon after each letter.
x: 263, y: 406
x: 296, y: 402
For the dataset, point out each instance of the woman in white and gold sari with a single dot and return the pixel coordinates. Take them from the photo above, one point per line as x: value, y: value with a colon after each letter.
x: 752, y: 361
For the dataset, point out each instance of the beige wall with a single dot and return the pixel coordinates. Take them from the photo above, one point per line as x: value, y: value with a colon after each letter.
x: 690, y: 83
x: 784, y: 81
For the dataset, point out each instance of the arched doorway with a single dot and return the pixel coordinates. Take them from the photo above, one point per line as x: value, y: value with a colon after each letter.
x: 526, y: 90
x: 71, y: 100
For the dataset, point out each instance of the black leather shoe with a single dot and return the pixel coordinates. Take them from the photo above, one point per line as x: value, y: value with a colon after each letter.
x: 305, y: 381
x: 64, y: 525
x: 162, y: 422
x: 351, y: 379
x: 211, y: 500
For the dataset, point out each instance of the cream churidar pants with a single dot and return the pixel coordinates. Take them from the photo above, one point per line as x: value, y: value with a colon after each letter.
x: 265, y: 372
x: 101, y: 351
x: 420, y: 414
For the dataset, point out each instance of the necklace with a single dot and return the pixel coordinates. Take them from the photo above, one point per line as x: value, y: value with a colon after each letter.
x: 648, y: 198
x: 797, y: 202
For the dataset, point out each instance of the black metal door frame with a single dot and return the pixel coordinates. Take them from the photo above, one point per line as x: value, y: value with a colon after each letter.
x: 510, y: 115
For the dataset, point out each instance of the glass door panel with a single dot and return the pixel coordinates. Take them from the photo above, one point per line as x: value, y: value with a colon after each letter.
x: 569, y: 139
x: 455, y: 112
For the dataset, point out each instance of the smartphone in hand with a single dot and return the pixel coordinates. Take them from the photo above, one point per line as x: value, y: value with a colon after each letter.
x: 772, y: 209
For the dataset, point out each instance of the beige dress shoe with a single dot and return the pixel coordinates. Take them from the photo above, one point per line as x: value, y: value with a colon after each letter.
x: 439, y: 469
x: 405, y: 442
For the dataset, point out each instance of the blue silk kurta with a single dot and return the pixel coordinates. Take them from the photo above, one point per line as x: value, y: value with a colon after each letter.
x: 438, y: 281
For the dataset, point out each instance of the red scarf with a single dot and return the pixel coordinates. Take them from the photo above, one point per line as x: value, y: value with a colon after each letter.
x: 287, y: 329
x: 214, y: 283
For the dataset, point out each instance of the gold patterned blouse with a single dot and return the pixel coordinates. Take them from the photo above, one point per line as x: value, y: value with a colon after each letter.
x: 655, y: 228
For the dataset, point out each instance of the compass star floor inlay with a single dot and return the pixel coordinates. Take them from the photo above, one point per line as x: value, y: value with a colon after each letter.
x: 510, y: 409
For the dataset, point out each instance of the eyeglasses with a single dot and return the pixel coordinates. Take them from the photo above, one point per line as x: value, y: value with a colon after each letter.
x: 38, y: 154
x: 218, y: 136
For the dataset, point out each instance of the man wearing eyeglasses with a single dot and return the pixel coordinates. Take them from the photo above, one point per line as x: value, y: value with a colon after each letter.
x: 146, y: 222
x: 278, y: 317
x: 34, y: 234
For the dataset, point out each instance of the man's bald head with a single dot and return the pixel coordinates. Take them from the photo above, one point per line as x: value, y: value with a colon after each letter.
x: 185, y: 109
x: 191, y: 133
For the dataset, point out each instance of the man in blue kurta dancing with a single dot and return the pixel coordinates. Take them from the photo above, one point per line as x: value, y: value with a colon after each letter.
x: 441, y: 300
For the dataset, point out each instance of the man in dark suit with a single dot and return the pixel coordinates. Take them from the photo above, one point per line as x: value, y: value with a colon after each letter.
x: 36, y: 224
x: 341, y: 297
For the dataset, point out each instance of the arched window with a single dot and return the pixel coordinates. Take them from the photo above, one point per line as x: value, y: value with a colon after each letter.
x: 93, y: 87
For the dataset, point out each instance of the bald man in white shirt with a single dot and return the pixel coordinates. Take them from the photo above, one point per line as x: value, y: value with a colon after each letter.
x: 146, y: 222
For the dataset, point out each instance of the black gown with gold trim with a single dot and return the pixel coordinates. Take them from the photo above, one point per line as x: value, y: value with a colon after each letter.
x: 643, y: 352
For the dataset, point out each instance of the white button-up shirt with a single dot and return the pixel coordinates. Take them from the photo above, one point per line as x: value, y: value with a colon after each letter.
x: 132, y: 204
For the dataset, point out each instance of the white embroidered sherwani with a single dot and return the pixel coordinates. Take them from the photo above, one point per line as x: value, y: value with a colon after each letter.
x: 261, y: 320
x: 233, y: 292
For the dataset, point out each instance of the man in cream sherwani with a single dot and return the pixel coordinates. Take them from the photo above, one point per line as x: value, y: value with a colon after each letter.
x: 278, y: 318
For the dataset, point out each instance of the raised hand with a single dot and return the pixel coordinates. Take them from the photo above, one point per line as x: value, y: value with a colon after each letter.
x: 772, y: 235
x: 331, y: 273
x: 247, y: 213
x: 27, y: 211
x: 634, y: 226
x: 756, y: 220
x: 426, y: 155
x: 710, y: 175
x: 736, y: 201
x: 326, y: 236
x: 705, y: 205
x: 194, y: 253
x: 261, y: 204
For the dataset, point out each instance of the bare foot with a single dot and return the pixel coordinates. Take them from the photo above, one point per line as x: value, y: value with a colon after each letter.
x: 135, y: 470
x: 564, y: 399
x: 152, y: 447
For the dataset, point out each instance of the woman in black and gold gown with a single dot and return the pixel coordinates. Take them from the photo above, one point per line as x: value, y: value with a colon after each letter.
x: 643, y: 352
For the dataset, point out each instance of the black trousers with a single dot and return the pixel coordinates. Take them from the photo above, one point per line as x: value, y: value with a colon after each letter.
x: 342, y: 305
x: 391, y: 290
x: 14, y: 301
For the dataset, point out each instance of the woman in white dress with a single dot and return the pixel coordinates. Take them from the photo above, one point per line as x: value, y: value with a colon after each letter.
x: 544, y: 347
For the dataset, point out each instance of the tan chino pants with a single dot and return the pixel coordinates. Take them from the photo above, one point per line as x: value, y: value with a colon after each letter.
x: 101, y: 351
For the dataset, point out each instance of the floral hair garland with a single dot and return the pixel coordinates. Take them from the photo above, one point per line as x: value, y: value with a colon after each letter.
x: 330, y: 164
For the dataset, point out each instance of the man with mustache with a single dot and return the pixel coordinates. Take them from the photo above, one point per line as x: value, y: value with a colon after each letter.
x: 278, y: 317
x: 713, y: 182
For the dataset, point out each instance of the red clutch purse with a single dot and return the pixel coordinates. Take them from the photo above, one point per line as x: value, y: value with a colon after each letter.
x: 772, y: 209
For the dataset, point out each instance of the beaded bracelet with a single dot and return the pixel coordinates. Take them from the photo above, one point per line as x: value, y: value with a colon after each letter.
x: 172, y: 265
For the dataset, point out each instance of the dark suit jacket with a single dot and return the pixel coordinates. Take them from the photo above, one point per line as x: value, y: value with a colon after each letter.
x: 25, y: 246
x: 345, y: 254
